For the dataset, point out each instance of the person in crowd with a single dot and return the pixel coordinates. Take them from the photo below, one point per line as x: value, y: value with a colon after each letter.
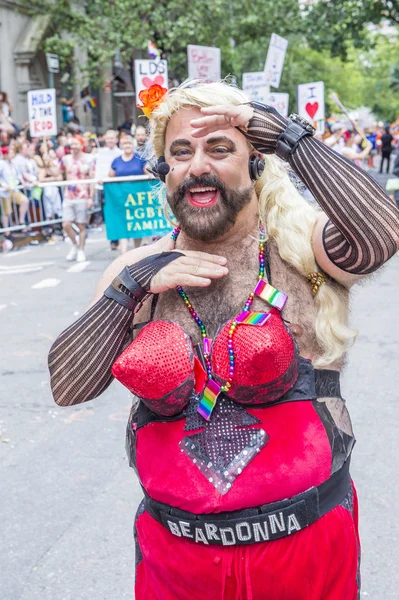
x: 26, y: 167
x: 386, y: 148
x: 105, y: 158
x: 352, y: 150
x: 62, y: 145
x: 9, y: 192
x: 49, y: 170
x: 336, y: 141
x: 6, y: 106
x: 68, y: 110
x: 140, y: 138
x: 240, y: 437
x: 78, y: 197
x: 371, y: 135
x: 127, y: 164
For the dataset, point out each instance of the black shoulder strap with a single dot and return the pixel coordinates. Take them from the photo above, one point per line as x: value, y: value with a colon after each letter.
x: 154, y: 303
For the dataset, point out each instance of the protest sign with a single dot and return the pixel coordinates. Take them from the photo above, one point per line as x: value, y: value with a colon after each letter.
x: 275, y: 60
x: 133, y: 209
x: 255, y: 86
x: 204, y: 62
x: 42, y: 113
x: 150, y: 72
x: 279, y: 101
x: 310, y: 98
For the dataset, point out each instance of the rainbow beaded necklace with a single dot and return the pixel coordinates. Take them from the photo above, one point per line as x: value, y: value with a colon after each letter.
x: 247, y: 317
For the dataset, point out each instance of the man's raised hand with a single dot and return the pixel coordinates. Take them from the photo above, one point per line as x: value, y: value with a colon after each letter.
x: 221, y: 117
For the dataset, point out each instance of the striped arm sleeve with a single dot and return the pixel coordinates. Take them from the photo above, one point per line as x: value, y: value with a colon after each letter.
x: 363, y: 228
x: 81, y: 358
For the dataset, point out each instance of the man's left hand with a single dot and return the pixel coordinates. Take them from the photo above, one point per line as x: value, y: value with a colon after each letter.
x: 221, y: 117
x: 90, y: 203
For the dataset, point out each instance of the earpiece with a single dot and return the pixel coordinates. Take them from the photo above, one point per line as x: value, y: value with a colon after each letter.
x: 162, y: 168
x: 256, y: 166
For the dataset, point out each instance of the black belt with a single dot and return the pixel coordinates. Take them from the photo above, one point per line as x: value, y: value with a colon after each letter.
x: 264, y: 523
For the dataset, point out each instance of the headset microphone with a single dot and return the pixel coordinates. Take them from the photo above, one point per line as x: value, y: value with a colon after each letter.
x: 162, y: 168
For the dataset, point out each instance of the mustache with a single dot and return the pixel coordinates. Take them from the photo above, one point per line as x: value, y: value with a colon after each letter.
x: 205, y: 180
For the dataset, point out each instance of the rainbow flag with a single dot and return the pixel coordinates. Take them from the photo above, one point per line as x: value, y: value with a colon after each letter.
x: 153, y: 51
x: 272, y: 296
x: 209, y: 399
x: 251, y: 317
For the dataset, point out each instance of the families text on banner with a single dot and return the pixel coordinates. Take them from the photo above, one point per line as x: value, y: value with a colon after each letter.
x: 150, y: 72
x: 275, y: 59
x: 279, y: 101
x: 204, y: 62
x: 42, y: 113
x: 256, y: 86
x: 311, y: 103
x: 133, y: 209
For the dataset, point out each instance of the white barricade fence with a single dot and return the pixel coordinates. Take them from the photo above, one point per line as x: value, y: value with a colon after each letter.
x: 36, y: 216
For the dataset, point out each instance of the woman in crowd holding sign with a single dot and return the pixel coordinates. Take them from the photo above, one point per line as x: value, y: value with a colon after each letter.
x: 123, y: 166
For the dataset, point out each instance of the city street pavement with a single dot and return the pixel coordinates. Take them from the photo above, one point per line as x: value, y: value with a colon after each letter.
x: 68, y: 496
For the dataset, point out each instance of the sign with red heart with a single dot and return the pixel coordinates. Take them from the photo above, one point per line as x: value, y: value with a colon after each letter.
x: 311, y: 103
x: 312, y: 108
x: 158, y: 80
x: 150, y: 72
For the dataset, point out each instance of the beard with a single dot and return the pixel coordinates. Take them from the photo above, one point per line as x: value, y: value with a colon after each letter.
x: 208, y: 224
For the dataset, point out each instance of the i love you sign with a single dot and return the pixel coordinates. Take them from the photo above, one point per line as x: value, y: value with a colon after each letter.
x: 311, y: 103
x: 150, y: 72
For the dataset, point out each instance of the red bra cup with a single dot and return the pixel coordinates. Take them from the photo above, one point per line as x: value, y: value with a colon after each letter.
x: 266, y: 360
x: 158, y: 367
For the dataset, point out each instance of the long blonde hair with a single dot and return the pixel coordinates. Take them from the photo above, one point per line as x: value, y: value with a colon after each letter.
x: 288, y: 217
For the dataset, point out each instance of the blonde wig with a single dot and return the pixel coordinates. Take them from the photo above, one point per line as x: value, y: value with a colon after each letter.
x: 288, y: 217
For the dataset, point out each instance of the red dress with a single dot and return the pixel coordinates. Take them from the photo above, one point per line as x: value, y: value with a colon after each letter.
x: 282, y: 429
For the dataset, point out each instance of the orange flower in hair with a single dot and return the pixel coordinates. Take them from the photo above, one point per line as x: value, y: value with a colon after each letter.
x: 151, y: 98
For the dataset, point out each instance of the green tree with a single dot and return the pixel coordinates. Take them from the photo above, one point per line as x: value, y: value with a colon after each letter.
x: 340, y: 24
x: 104, y: 27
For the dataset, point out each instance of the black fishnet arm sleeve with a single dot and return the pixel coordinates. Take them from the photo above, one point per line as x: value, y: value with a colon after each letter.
x: 81, y: 357
x: 363, y: 228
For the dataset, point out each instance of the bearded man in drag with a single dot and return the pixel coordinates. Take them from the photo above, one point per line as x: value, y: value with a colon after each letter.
x: 231, y: 333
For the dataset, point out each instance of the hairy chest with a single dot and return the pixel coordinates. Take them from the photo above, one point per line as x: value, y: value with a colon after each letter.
x: 226, y: 298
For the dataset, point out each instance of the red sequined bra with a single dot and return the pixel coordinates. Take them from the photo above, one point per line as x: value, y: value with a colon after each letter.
x: 162, y: 369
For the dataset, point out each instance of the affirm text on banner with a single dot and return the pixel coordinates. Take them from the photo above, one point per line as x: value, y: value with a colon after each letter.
x: 133, y: 209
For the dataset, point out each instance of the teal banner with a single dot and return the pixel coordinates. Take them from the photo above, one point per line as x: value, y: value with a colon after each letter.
x: 133, y: 209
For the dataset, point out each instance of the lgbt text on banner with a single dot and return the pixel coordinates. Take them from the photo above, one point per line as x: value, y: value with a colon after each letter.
x: 133, y: 209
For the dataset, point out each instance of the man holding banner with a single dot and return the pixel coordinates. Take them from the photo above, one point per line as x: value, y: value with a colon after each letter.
x: 241, y: 438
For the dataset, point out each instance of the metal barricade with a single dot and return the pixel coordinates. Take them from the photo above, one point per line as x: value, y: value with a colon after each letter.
x: 36, y: 217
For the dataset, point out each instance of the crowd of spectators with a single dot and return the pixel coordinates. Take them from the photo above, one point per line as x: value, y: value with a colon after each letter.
x: 70, y: 156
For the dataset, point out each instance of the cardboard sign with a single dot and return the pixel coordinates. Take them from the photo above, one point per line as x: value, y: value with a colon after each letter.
x: 311, y: 103
x: 256, y: 86
x: 150, y: 72
x: 42, y: 113
x: 133, y: 209
x: 280, y: 102
x: 275, y: 59
x: 204, y: 63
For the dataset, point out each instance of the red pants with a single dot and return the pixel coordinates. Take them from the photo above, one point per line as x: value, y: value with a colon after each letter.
x: 321, y: 562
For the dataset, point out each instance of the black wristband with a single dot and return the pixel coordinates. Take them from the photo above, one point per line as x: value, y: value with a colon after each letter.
x: 126, y: 291
x: 288, y: 140
x: 132, y: 286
